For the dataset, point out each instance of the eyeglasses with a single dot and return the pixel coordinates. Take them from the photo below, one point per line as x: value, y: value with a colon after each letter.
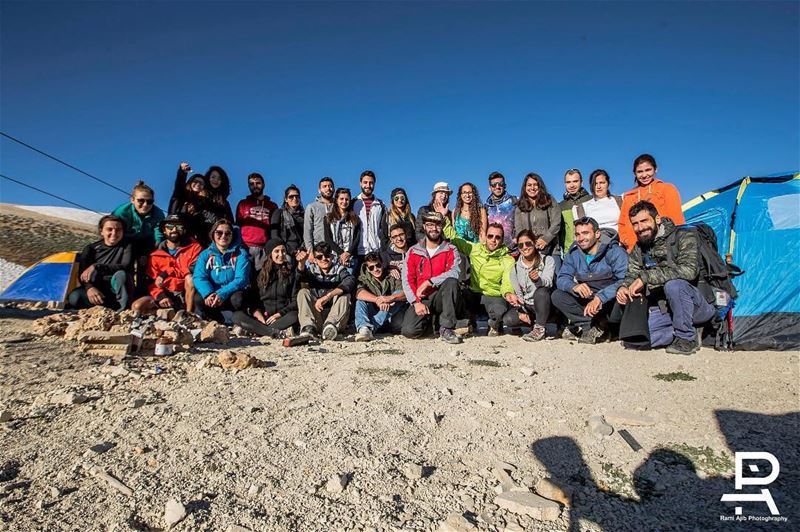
x: 430, y: 225
x: 293, y: 196
x: 398, y: 235
x: 373, y: 267
x: 170, y: 227
x: 223, y: 233
x: 494, y: 237
x: 321, y: 256
x: 144, y: 201
x: 525, y: 244
x: 497, y: 184
x: 467, y: 193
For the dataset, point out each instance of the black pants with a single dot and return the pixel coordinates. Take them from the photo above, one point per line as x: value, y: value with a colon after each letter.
x: 496, y: 307
x: 539, y: 313
x: 250, y: 324
x: 234, y: 303
x: 115, y: 289
x: 445, y: 303
x: 572, y: 305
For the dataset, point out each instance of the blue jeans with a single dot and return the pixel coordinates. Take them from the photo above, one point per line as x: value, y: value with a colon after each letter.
x: 688, y: 307
x: 368, y: 315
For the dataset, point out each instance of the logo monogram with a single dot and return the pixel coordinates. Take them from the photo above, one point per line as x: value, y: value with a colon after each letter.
x: 765, y: 496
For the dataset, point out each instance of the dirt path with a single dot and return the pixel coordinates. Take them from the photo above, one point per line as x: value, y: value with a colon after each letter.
x: 255, y: 448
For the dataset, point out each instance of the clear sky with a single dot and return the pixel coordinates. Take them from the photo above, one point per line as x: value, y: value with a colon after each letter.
x: 416, y: 91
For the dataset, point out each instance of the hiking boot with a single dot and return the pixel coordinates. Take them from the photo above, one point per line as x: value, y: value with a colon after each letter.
x: 449, y: 336
x: 330, y: 332
x: 309, y: 330
x: 494, y: 328
x: 535, y: 334
x: 364, y: 335
x: 571, y: 333
x: 591, y: 335
x: 679, y: 346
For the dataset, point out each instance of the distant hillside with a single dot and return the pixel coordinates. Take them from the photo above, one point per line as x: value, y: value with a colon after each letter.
x: 27, y: 236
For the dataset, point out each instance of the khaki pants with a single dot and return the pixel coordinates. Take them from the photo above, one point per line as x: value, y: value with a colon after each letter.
x: 336, y: 312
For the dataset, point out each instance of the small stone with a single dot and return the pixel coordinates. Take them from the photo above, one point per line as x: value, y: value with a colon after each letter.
x: 138, y: 403
x: 560, y: 493
x: 527, y: 371
x: 598, y: 425
x: 165, y: 314
x: 337, y: 483
x: 204, y: 362
x: 506, y: 482
x: 484, y: 404
x: 505, y: 466
x: 68, y: 398
x: 5, y: 415
x: 530, y: 504
x: 54, y: 492
x: 237, y: 528
x: 214, y: 333
x: 629, y: 418
x: 174, y: 512
x: 254, y: 490
x: 101, y: 448
x: 412, y: 471
x: 513, y: 527
x: 455, y: 523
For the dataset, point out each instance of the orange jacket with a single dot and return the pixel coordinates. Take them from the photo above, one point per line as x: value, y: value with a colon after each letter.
x: 172, y: 269
x: 663, y: 195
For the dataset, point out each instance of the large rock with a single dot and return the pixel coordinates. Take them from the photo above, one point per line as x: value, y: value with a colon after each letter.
x: 455, y: 523
x: 215, y: 333
x: 97, y: 318
x: 231, y: 360
x: 530, y: 504
x: 68, y: 398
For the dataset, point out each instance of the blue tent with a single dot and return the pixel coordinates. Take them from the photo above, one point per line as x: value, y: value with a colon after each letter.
x: 49, y: 280
x: 757, y: 221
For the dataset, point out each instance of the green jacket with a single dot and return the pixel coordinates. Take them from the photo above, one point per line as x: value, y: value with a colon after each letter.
x: 488, y: 267
x: 388, y: 286
x: 567, y: 233
x: 684, y: 264
x: 138, y: 227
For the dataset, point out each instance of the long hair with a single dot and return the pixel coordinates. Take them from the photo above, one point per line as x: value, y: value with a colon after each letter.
x: 220, y: 195
x: 400, y: 215
x: 337, y: 214
x: 474, y: 208
x: 537, y: 257
x: 543, y: 200
x: 194, y: 200
x: 271, y: 271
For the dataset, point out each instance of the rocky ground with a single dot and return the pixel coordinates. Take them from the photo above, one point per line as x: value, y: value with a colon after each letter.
x: 392, y: 435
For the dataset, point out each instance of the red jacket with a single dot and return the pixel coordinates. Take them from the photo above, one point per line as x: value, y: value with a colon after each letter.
x: 172, y: 269
x: 419, y: 267
x: 252, y: 216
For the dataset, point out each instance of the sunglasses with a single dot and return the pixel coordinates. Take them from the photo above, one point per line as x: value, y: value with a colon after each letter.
x: 494, y: 237
x: 170, y: 227
x: 498, y: 184
x: 320, y: 256
x: 399, y: 197
x: 223, y: 233
x: 373, y: 267
x: 143, y: 201
x: 526, y: 244
x: 293, y: 196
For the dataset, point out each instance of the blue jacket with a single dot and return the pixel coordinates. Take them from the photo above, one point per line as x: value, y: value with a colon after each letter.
x: 223, y: 273
x: 604, y: 274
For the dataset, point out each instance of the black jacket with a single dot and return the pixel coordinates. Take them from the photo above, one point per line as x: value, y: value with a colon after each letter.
x: 107, y: 260
x: 280, y: 295
x: 292, y: 233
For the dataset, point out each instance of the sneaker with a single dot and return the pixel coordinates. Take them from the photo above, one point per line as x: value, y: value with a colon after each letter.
x: 309, y: 330
x: 591, y: 335
x: 364, y: 335
x: 330, y: 332
x: 535, y: 334
x: 449, y: 336
x: 571, y: 333
x: 494, y: 328
x: 679, y: 346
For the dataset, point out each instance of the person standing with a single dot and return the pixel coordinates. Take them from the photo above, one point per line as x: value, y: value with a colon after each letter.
x: 343, y: 229
x: 314, y: 222
x: 398, y: 213
x: 574, y: 194
x: 538, y: 212
x: 500, y: 207
x: 603, y: 207
x: 587, y: 284
x: 664, y: 196
x: 469, y: 216
x: 253, y: 215
x: 440, y: 197
x: 218, y: 186
x: 105, y: 267
x: 369, y: 210
x: 430, y: 282
x: 287, y: 222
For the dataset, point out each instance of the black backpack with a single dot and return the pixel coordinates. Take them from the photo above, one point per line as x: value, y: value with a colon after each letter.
x: 713, y: 279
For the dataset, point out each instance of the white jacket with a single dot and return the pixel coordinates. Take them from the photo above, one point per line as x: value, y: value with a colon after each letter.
x: 370, y: 227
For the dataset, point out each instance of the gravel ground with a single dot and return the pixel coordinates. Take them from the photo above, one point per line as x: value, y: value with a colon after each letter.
x: 257, y: 448
x: 8, y: 272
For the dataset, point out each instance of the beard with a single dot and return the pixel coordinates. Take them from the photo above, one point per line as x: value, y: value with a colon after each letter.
x: 436, y: 238
x: 646, y: 237
x: 175, y: 238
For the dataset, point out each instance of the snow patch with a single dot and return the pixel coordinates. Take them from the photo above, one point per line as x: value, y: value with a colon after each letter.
x: 65, y: 213
x: 9, y: 272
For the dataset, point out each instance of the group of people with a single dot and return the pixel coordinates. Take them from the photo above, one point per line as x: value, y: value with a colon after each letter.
x: 521, y: 261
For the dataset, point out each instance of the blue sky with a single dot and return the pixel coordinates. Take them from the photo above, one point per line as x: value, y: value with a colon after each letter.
x: 416, y: 91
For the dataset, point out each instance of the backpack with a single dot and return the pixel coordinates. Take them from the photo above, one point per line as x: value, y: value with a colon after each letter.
x: 713, y: 280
